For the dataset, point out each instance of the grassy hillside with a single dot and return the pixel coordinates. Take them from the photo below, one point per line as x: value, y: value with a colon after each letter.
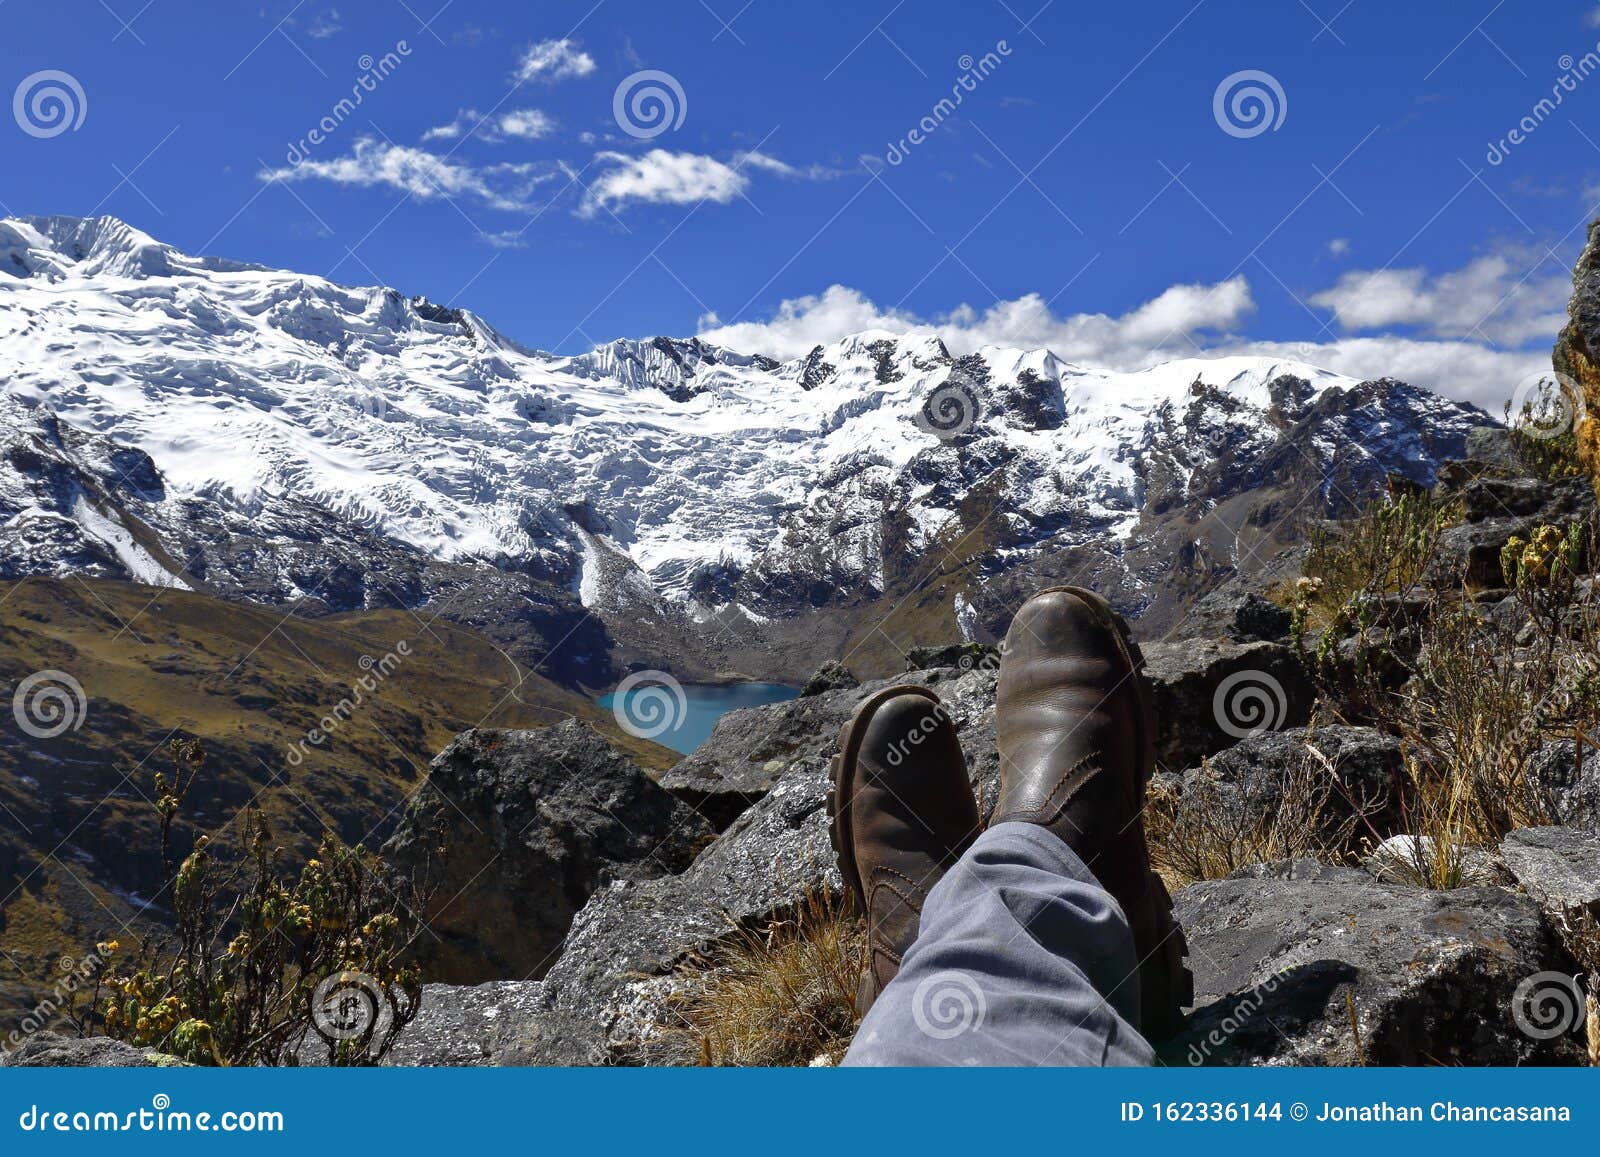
x: 79, y: 847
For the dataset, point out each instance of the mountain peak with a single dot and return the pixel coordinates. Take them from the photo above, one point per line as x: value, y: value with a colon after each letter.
x: 59, y: 247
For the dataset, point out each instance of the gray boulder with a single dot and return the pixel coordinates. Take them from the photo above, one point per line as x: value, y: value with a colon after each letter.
x: 603, y: 1000
x: 831, y: 676
x: 1558, y: 867
x: 1367, y: 768
x: 514, y: 830
x: 1233, y: 611
x: 467, y: 1026
x: 1210, y: 693
x: 52, y: 1050
x: 1281, y: 956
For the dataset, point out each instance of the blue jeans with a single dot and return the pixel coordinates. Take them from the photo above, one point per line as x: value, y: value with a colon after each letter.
x: 1022, y: 959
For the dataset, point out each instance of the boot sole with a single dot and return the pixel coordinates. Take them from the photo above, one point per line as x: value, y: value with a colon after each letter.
x: 841, y: 768
x: 1164, y: 975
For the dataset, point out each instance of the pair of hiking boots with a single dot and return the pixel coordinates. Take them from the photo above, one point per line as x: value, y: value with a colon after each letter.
x: 1076, y: 734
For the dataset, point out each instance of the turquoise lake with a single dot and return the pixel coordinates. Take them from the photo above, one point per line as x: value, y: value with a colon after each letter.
x: 703, y: 705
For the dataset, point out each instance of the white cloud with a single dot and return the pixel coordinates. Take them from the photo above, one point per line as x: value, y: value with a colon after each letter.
x: 527, y: 124
x: 762, y: 162
x: 1339, y: 246
x: 1167, y: 322
x: 553, y: 60
x: 662, y: 178
x: 1182, y: 321
x: 1508, y: 298
x: 324, y: 25
x: 421, y: 174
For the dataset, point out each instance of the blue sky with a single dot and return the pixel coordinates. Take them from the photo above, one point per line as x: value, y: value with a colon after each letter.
x: 1085, y: 194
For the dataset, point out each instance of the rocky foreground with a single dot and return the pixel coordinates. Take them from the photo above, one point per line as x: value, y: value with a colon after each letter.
x: 570, y: 887
x: 1295, y: 963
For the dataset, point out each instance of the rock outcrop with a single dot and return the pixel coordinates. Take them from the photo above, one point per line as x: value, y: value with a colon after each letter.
x: 52, y: 1050
x: 1577, y: 352
x: 1304, y: 964
x: 512, y: 833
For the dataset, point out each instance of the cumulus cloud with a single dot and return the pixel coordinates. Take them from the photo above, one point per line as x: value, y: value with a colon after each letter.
x: 1182, y: 321
x: 1507, y: 298
x: 422, y: 174
x: 528, y: 124
x: 553, y: 60
x: 1170, y: 321
x: 661, y: 177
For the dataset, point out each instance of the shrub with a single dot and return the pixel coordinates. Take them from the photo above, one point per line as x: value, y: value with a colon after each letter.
x: 263, y: 962
x: 1544, y: 435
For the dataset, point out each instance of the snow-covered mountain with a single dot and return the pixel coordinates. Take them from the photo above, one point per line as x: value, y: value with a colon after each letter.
x: 270, y: 435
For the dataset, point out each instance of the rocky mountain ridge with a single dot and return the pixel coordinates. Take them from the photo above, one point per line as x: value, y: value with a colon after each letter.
x: 271, y: 436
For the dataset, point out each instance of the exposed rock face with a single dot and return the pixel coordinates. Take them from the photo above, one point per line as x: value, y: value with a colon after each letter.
x: 831, y: 676
x: 1210, y: 693
x: 1430, y: 974
x: 1233, y: 611
x: 1497, y: 509
x: 51, y: 1050
x: 1577, y: 352
x: 1366, y: 763
x: 1558, y: 867
x: 512, y: 833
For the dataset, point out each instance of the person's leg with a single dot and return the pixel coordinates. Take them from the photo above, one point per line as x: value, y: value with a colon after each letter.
x: 1022, y: 959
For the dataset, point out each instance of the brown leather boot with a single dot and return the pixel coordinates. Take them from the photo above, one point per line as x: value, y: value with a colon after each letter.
x: 901, y: 812
x: 1077, y: 748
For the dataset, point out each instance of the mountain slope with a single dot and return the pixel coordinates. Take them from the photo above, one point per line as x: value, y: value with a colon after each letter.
x: 272, y: 436
x: 133, y: 667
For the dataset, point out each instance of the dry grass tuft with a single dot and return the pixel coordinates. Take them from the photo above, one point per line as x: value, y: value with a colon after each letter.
x: 1209, y: 831
x: 783, y: 994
